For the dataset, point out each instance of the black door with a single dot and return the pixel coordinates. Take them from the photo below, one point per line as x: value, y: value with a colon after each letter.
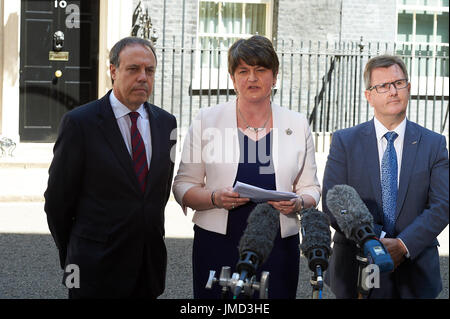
x: 58, y: 63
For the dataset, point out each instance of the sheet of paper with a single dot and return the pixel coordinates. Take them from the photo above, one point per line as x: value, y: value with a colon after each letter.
x: 260, y: 195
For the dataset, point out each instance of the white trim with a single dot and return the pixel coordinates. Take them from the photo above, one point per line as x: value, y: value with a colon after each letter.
x: 10, y: 90
x: 237, y: 1
x: 223, y: 71
x: 103, y: 69
x: 114, y: 24
x: 433, y: 46
x: 413, y: 7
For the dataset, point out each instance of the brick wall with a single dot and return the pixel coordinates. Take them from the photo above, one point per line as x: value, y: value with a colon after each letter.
x: 304, y: 20
x: 293, y: 21
x: 374, y: 20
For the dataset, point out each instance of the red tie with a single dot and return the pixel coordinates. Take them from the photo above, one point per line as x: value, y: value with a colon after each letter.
x: 139, y: 154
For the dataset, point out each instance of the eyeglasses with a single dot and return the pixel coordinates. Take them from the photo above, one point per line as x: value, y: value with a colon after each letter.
x: 385, y: 87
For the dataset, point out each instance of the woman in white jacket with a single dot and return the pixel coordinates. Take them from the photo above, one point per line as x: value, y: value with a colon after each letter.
x: 257, y: 142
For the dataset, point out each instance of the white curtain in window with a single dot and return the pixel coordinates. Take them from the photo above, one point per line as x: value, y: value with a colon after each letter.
x: 208, y: 17
x: 222, y: 21
x: 231, y: 17
x: 255, y: 19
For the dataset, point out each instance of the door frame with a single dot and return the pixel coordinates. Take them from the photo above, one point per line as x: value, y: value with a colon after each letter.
x: 113, y: 25
x: 43, y: 103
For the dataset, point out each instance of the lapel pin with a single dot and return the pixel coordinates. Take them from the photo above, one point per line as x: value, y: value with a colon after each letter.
x: 288, y: 131
x: 415, y: 142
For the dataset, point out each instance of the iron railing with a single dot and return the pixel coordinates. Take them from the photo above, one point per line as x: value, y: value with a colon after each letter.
x: 322, y: 80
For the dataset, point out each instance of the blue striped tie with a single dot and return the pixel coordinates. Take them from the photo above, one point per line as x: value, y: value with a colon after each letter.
x: 389, y: 173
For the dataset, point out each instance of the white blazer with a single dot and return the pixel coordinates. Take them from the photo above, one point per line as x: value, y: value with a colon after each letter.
x: 210, y: 159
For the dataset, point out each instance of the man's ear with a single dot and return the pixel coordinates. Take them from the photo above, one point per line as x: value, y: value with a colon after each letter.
x: 112, y: 71
x: 368, y: 96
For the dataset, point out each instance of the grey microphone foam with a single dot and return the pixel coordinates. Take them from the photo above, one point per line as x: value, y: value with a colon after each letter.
x: 348, y: 208
x: 263, y: 223
x: 315, y: 231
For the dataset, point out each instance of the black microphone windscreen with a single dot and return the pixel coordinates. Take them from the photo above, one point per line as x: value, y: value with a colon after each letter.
x: 348, y: 208
x: 315, y: 230
x: 259, y: 235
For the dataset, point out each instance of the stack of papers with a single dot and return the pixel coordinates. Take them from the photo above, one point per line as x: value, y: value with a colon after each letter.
x: 261, y: 195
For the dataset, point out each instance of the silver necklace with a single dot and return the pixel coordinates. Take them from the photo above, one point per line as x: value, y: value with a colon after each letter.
x: 254, y: 129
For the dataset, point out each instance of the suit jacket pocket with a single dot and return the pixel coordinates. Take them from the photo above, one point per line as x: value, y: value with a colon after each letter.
x: 97, y: 234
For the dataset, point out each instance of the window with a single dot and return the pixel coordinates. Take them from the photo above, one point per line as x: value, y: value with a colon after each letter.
x: 422, y: 33
x: 220, y: 23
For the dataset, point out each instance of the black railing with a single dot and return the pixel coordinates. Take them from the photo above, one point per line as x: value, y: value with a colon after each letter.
x: 324, y: 82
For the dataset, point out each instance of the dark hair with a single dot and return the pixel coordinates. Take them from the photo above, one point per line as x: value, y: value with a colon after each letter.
x: 114, y: 58
x: 257, y: 50
x: 382, y: 61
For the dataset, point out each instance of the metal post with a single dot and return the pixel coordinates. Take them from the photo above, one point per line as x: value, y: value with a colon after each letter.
x: 181, y: 79
x: 309, y: 79
x: 427, y: 60
x: 173, y: 76
x: 192, y: 76
x: 163, y: 53
x: 201, y: 75
x: 418, y: 84
x: 361, y: 48
x: 317, y: 86
x: 282, y: 73
x: 292, y: 74
x: 301, y: 80
x: 434, y: 89
x: 443, y: 120
x: 218, y: 71
x: 209, y: 74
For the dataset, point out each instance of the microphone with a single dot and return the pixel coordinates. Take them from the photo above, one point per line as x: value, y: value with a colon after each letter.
x: 256, y: 243
x: 356, y: 222
x: 316, y: 239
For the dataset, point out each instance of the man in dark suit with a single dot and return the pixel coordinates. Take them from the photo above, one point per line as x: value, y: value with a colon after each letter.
x: 109, y: 183
x: 400, y: 171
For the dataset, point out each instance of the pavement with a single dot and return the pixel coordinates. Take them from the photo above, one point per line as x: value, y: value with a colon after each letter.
x: 29, y: 267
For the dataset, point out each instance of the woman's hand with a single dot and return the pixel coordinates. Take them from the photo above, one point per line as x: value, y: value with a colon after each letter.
x: 226, y: 198
x: 286, y: 207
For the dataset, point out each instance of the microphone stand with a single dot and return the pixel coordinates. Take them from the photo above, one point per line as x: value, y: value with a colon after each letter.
x: 317, y: 283
x: 363, y: 262
x: 362, y: 234
x: 318, y: 263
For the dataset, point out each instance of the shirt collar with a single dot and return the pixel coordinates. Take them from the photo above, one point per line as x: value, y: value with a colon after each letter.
x: 380, y: 129
x: 120, y: 110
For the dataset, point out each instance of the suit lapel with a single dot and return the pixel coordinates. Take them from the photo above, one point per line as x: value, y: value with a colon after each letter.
x: 370, y: 147
x: 108, y: 126
x: 156, y: 146
x: 410, y: 146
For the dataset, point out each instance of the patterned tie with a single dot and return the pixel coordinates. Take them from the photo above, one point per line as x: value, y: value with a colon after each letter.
x: 139, y: 154
x: 389, y: 173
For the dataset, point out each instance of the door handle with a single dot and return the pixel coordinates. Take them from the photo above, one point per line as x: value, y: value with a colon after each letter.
x: 58, y: 74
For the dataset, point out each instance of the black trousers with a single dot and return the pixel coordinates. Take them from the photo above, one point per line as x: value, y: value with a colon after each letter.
x: 141, y: 289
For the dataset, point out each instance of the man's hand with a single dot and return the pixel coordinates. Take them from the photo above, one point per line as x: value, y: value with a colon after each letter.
x: 396, y: 249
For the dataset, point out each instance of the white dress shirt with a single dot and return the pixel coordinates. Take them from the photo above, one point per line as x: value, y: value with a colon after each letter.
x: 380, y: 130
x: 123, y: 120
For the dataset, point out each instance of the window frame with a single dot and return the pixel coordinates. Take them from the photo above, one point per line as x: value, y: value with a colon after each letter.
x: 414, y: 46
x: 206, y: 78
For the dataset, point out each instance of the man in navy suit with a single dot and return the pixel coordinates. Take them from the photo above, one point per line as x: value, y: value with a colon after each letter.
x: 109, y: 183
x: 408, y: 213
